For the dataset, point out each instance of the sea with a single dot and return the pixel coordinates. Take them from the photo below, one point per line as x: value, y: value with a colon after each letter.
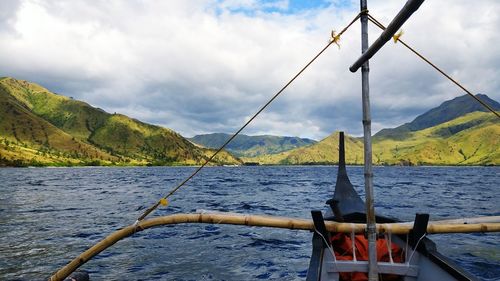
x: 48, y: 216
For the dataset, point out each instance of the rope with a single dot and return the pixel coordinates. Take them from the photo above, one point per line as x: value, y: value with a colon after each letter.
x: 408, y: 261
x: 327, y: 244
x: 335, y: 39
x: 388, y: 239
x: 398, y: 39
x: 406, y: 247
x: 415, y: 250
x: 353, y: 242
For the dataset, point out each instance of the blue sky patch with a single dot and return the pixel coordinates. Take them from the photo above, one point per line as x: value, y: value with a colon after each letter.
x: 251, y: 8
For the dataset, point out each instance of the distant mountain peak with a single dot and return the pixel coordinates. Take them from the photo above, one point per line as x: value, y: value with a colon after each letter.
x: 450, y: 110
x: 250, y: 146
x: 445, y: 112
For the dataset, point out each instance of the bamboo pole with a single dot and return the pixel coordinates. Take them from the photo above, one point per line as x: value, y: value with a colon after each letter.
x: 367, y: 149
x: 262, y: 221
x: 487, y: 219
x: 409, y: 8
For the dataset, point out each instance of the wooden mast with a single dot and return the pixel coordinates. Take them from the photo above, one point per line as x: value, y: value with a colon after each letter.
x: 410, y: 7
x: 367, y: 135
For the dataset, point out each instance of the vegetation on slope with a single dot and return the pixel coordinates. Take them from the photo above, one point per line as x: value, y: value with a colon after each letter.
x: 324, y: 152
x: 250, y: 146
x: 27, y: 139
x: 38, y: 127
x: 445, y: 112
x: 472, y: 139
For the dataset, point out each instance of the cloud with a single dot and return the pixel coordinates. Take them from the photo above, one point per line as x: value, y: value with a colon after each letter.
x: 205, y: 66
x: 7, y: 8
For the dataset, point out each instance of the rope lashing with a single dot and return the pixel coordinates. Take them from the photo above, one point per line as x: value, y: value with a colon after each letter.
x: 153, y: 207
x: 397, y: 36
x: 398, y: 39
x: 335, y: 38
x: 163, y: 201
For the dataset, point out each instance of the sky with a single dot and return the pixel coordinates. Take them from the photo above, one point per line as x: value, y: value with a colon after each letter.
x: 204, y: 66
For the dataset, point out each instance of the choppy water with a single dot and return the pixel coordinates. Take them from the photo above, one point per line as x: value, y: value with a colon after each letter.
x: 49, y: 216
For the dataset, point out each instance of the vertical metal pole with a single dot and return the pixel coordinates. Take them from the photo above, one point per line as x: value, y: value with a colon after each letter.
x: 367, y: 131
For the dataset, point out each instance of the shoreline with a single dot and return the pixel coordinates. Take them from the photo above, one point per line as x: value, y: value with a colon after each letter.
x: 233, y: 166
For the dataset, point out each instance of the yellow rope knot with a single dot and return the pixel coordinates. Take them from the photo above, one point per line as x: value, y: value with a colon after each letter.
x: 397, y: 35
x: 335, y: 38
x: 164, y: 201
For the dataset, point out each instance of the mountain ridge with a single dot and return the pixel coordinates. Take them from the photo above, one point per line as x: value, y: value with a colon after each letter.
x: 250, y: 146
x: 476, y: 145
x: 40, y: 128
x: 445, y: 112
x: 82, y: 134
x: 459, y: 135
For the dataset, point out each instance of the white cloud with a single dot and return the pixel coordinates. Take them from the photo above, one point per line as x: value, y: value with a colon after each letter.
x: 204, y: 66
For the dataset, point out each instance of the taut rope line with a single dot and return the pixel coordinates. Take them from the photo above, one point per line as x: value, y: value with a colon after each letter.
x: 398, y: 39
x: 334, y: 39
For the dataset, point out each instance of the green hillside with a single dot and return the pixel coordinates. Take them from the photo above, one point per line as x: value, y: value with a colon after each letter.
x: 324, y: 152
x: 445, y: 112
x: 473, y: 139
x: 250, y: 146
x: 26, y: 138
x: 38, y: 127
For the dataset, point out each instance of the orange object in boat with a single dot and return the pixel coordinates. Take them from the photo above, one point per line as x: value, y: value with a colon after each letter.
x: 342, y: 246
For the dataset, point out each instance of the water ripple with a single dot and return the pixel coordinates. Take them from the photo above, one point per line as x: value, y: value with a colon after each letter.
x: 49, y: 216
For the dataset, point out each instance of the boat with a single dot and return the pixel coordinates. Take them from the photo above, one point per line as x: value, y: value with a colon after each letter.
x: 416, y: 255
x: 349, y: 242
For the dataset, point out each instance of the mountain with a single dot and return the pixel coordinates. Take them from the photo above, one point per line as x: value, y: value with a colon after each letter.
x: 38, y: 127
x: 468, y: 139
x: 445, y: 112
x: 324, y: 152
x: 250, y: 146
x: 27, y: 138
x: 472, y: 139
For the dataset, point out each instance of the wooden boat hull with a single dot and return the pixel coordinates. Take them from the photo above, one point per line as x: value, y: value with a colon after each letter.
x: 422, y: 262
x: 426, y: 264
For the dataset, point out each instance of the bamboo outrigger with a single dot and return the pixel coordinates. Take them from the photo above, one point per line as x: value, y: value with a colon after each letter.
x: 349, y: 218
x: 471, y: 225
